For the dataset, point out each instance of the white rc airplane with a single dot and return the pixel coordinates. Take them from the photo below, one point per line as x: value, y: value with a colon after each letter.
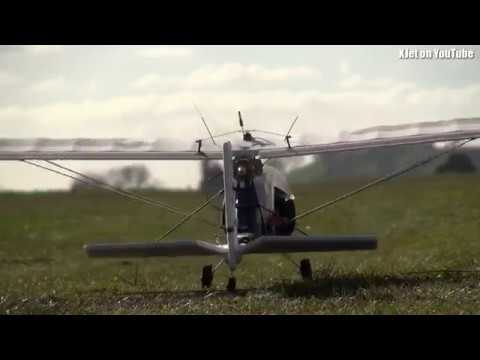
x: 258, y: 214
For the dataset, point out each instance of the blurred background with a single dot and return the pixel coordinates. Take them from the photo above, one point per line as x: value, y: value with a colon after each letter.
x: 149, y: 92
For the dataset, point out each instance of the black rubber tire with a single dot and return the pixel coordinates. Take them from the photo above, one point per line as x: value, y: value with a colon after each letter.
x: 306, y: 269
x: 232, y: 284
x: 207, y: 276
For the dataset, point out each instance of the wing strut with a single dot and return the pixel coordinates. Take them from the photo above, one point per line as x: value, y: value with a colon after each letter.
x: 89, y: 181
x: 118, y: 190
x: 189, y: 216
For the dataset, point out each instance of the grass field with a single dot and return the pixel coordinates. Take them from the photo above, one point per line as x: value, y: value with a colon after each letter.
x: 428, y: 231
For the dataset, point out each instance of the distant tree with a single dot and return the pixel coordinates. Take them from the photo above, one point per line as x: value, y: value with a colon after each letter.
x: 127, y: 177
x: 77, y: 186
x: 457, y: 163
x: 132, y: 176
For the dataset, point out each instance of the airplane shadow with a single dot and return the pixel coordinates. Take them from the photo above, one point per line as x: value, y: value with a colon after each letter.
x: 192, y: 294
x: 350, y: 284
x: 322, y: 286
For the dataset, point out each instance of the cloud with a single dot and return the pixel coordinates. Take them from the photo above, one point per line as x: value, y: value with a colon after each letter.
x: 7, y: 79
x: 232, y: 75
x: 357, y: 83
x: 151, y: 81
x: 344, y: 67
x: 212, y: 75
x: 445, y: 96
x: 162, y: 52
x: 43, y: 49
x: 351, y: 81
x: 171, y: 114
x: 48, y: 86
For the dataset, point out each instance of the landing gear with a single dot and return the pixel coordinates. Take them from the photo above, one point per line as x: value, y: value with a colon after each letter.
x: 207, y: 276
x: 306, y: 269
x: 232, y: 283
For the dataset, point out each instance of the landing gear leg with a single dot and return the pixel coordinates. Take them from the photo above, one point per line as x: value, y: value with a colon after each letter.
x: 207, y: 276
x: 232, y: 283
x: 306, y: 269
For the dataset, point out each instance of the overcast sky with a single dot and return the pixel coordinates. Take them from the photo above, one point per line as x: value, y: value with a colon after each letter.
x: 147, y: 92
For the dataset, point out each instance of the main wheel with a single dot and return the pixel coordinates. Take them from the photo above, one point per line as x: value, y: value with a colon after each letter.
x: 232, y: 283
x: 207, y: 276
x: 306, y: 269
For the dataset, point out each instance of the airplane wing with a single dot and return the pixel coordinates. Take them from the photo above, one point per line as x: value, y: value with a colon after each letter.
x: 95, y: 149
x: 369, y: 143
x: 125, y: 149
x: 164, y: 248
x: 290, y: 244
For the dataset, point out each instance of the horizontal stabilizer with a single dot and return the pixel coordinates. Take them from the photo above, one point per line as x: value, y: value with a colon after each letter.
x: 164, y: 248
x: 290, y: 244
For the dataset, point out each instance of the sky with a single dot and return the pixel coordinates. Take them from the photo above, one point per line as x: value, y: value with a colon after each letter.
x: 149, y: 92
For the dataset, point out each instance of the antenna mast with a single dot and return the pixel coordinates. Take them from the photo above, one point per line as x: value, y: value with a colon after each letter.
x: 246, y: 134
x: 241, y: 122
x: 206, y: 126
x: 288, y: 136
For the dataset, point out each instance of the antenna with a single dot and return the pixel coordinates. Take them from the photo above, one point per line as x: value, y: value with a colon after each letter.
x: 288, y: 136
x: 206, y: 126
x: 247, y: 136
x: 241, y: 122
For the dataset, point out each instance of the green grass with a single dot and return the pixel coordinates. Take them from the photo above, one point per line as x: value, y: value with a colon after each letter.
x: 427, y: 228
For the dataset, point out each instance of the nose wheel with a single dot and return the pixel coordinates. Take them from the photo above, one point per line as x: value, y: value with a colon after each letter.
x: 207, y: 276
x: 306, y: 269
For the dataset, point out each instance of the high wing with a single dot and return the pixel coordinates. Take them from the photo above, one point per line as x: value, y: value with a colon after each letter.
x: 382, y: 139
x: 124, y: 149
x: 95, y: 149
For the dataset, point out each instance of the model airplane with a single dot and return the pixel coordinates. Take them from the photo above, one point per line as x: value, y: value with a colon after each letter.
x: 259, y: 215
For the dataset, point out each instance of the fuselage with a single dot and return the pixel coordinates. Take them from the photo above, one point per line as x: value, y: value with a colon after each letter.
x: 264, y: 204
